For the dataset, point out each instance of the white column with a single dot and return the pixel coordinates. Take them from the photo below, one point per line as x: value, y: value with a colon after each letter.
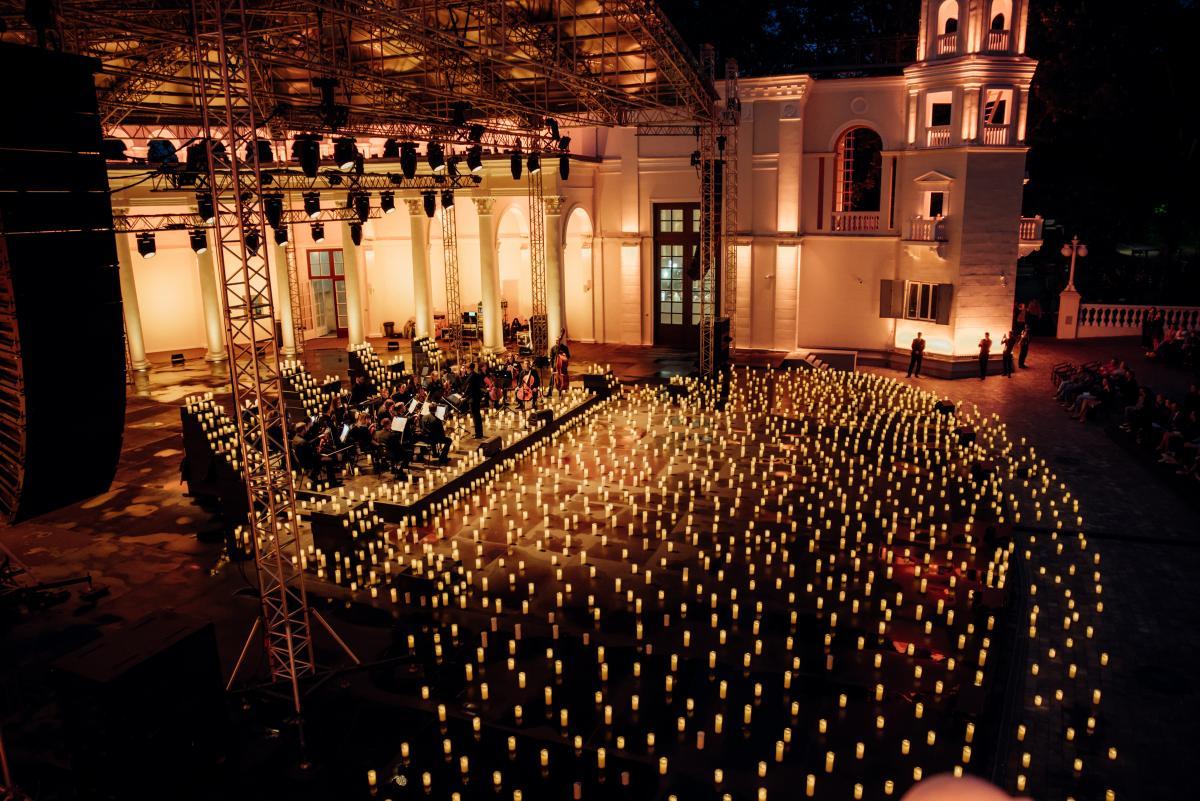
x: 489, y: 276
x: 283, y: 300
x: 422, y: 291
x: 350, y: 268
x: 211, y: 301
x: 129, y: 303
x: 555, y: 320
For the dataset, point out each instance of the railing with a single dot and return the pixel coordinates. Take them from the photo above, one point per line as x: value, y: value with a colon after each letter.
x: 1031, y: 229
x: 997, y: 41
x: 855, y: 222
x: 926, y: 229
x: 995, y: 134
x: 938, y: 136
x: 1122, y: 320
x: 947, y: 44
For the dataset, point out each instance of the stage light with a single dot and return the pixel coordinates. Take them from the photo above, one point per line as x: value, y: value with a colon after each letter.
x: 198, y: 240
x: 430, y: 203
x: 564, y: 166
x: 356, y: 233
x: 552, y: 124
x: 436, y: 157
x: 534, y: 164
x: 387, y: 201
x: 161, y: 151
x: 262, y: 148
x: 458, y: 113
x: 204, y: 207
x: 333, y: 179
x: 362, y: 206
x: 514, y: 165
x: 452, y: 166
x: 344, y: 152
x: 447, y: 199
x: 408, y: 159
x: 475, y: 158
x: 318, y: 232
x: 273, y: 209
x: 391, y: 149
x: 146, y: 245
x: 281, y: 235
x: 197, y: 158
x: 114, y: 149
x: 252, y: 242
x: 695, y: 160
x: 307, y: 151
x: 564, y: 144
x: 312, y: 204
x: 476, y: 133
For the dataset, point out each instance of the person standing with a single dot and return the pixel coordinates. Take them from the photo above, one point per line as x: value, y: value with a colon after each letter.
x: 985, y: 350
x: 918, y: 356
x: 1023, y: 347
x: 1008, y: 343
x: 475, y: 398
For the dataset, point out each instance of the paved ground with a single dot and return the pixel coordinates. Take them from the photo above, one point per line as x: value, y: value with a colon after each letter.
x: 139, y: 541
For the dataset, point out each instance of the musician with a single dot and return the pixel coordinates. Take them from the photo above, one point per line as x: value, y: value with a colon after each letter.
x: 434, y: 432
x: 360, y: 391
x: 474, y: 393
x: 528, y: 384
x: 326, y: 459
x: 560, y: 360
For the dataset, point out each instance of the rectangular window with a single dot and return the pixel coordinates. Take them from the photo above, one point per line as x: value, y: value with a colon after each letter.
x: 995, y: 108
x: 921, y: 301
x: 695, y: 221
x: 670, y: 221
x: 670, y: 284
x: 936, y: 206
x: 939, y: 114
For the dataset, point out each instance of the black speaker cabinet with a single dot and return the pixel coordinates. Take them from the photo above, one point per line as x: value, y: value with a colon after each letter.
x: 491, y: 446
x: 143, y: 708
x: 541, y: 417
x: 62, y: 339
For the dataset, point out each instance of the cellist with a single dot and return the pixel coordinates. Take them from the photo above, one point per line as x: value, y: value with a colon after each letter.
x: 560, y: 360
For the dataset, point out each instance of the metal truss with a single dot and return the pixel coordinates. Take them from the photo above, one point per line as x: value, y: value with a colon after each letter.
x: 538, y: 332
x: 293, y: 277
x: 12, y: 397
x: 453, y: 293
x: 174, y: 180
x: 731, y: 117
x: 140, y: 81
x: 711, y: 223
x: 227, y: 106
x: 138, y: 223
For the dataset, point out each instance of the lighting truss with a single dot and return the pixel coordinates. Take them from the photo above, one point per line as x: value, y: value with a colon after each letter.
x: 453, y: 294
x: 538, y: 332
x: 137, y: 223
x: 731, y: 117
x: 175, y: 180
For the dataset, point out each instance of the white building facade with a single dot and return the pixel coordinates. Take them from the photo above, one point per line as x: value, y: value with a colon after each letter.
x: 868, y: 209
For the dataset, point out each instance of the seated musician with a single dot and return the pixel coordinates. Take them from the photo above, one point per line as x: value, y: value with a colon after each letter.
x: 361, y: 431
x: 434, y: 433
x: 326, y: 458
x: 529, y: 382
x: 361, y: 390
x: 389, y: 446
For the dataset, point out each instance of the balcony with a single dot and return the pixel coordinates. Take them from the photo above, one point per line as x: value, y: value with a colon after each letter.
x: 995, y: 134
x: 938, y: 136
x: 927, y: 229
x: 997, y: 41
x: 1030, y: 235
x: 856, y: 222
x: 947, y: 44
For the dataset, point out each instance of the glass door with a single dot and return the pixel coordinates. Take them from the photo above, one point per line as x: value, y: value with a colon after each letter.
x: 327, y: 280
x: 676, y: 295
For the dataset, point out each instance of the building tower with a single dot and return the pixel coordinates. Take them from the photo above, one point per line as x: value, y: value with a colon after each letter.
x: 962, y: 175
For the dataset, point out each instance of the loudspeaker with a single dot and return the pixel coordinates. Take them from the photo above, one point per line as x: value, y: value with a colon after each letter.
x: 541, y: 417
x: 143, y: 708
x: 598, y: 383
x: 58, y: 276
x: 490, y: 446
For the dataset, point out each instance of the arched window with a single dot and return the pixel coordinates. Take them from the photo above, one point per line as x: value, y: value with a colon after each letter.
x: 859, y: 170
x: 997, y: 34
x: 951, y: 26
x: 947, y: 28
x: 998, y: 23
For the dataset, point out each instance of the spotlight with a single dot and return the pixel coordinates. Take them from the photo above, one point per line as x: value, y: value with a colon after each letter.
x: 344, y: 152
x: 452, y: 166
x: 514, y: 165
x: 356, y: 233
x: 273, y: 209
x: 476, y: 133
x: 198, y: 240
x: 564, y: 166
x: 281, y: 235
x: 252, y: 242
x: 535, y: 164
x: 408, y: 159
x: 436, y: 157
x: 333, y: 178
x: 318, y: 232
x: 430, y: 203
x: 312, y: 204
x: 306, y: 151
x: 564, y: 144
x: 261, y: 148
x: 387, y: 201
x: 114, y: 149
x: 394, y: 179
x: 146, y: 245
x: 391, y: 149
x: 458, y: 114
x: 695, y: 158
x: 475, y: 158
x: 362, y: 206
x: 161, y: 151
x: 196, y: 159
x: 552, y: 124
x: 447, y: 199
x: 204, y: 207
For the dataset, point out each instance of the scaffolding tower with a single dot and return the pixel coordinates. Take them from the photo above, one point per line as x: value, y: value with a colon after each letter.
x: 539, y: 335
x: 453, y: 293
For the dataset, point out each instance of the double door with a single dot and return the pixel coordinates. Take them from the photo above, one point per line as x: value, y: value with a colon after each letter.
x: 676, y: 272
x: 327, y: 280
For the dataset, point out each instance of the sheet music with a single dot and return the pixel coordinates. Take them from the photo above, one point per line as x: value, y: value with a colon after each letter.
x: 398, y: 423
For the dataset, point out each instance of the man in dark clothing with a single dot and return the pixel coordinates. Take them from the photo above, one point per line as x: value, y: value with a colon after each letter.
x: 434, y: 433
x: 1008, y: 343
x: 475, y: 398
x: 1023, y: 347
x: 985, y: 350
x: 918, y: 356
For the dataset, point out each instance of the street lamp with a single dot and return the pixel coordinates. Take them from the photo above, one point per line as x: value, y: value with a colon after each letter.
x: 1071, y: 250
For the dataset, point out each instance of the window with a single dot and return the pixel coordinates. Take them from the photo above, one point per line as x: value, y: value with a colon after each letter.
x: 327, y: 287
x: 670, y: 220
x: 935, y: 204
x: 859, y: 170
x: 939, y: 114
x: 998, y: 23
x: 695, y: 221
x: 995, y: 107
x: 670, y: 283
x: 921, y: 301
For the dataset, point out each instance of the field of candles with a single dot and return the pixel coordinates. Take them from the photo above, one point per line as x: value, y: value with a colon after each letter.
x: 810, y: 584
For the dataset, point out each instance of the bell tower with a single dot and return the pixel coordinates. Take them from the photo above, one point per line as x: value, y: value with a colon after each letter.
x: 952, y: 28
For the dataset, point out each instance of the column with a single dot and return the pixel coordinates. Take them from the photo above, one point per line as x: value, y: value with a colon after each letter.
x: 211, y: 301
x: 283, y: 300
x: 555, y: 320
x: 489, y: 276
x: 422, y: 291
x: 129, y: 303
x: 353, y: 275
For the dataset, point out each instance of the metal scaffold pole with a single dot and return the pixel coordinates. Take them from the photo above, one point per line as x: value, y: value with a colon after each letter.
x: 731, y: 118
x: 538, y: 334
x: 453, y: 294
x: 225, y: 96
